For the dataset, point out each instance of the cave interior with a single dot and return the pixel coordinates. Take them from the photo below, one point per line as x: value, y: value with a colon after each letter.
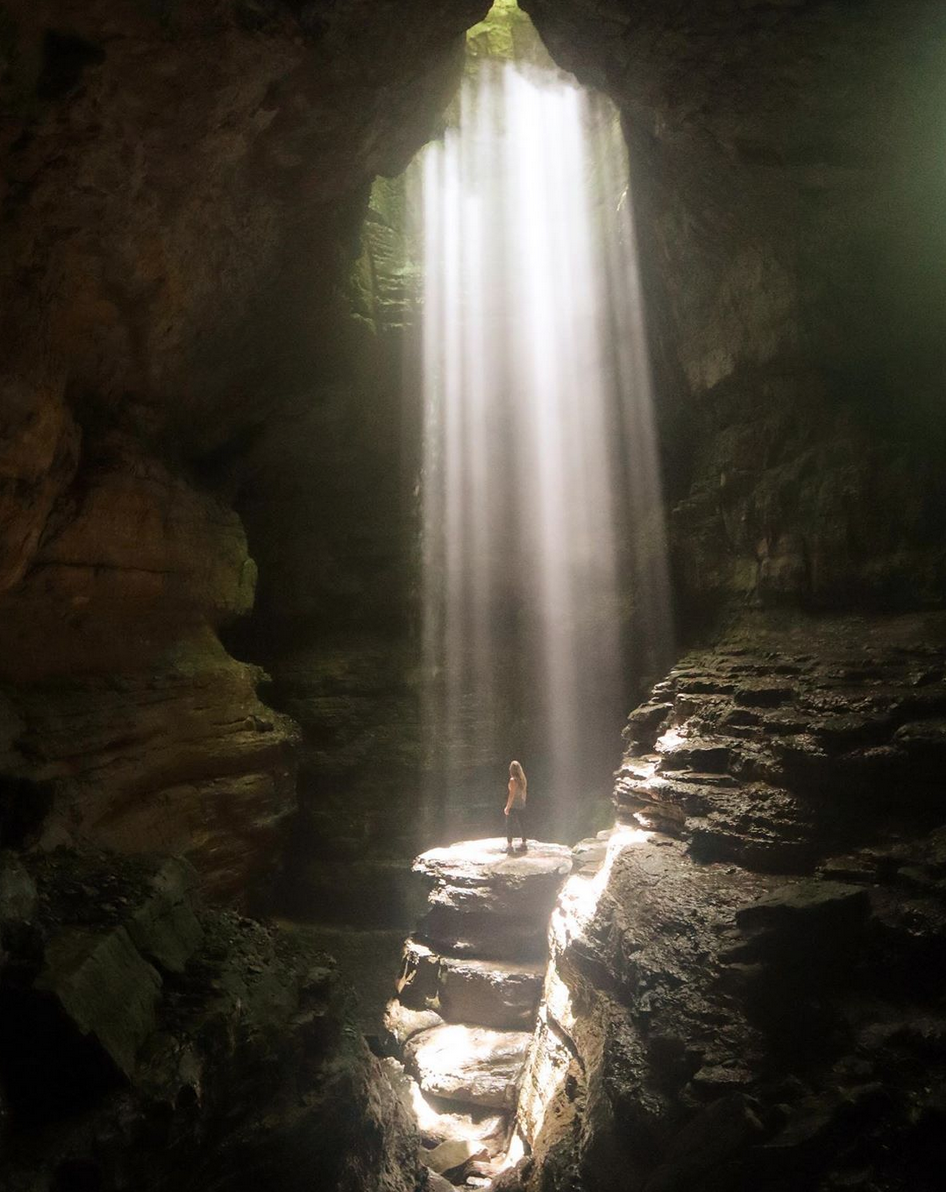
x: 323, y: 494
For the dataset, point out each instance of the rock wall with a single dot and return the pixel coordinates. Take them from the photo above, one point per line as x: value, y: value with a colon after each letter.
x: 181, y: 197
x: 150, y: 1042
x: 745, y: 980
x: 785, y: 202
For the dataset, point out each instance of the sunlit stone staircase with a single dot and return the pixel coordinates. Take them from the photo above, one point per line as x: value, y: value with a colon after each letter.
x: 468, y: 994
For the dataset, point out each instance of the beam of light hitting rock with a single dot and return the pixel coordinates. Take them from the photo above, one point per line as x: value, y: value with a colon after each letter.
x: 534, y: 378
x: 549, y: 1060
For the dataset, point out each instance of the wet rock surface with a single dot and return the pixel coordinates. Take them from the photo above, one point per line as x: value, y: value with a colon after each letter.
x: 473, y: 1065
x: 147, y: 1041
x: 738, y: 998
x: 467, y: 997
x: 781, y: 746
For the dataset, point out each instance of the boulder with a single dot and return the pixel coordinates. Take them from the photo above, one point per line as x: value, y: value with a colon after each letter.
x: 105, y: 988
x: 479, y: 874
x: 473, y: 1065
x: 485, y: 902
x: 17, y: 891
x: 164, y: 927
x: 453, y: 1154
x: 489, y: 993
x: 439, y: 1120
x: 420, y: 968
x: 400, y: 1022
x: 482, y: 934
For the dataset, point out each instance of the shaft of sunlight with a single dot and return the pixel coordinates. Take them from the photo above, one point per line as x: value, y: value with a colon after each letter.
x: 539, y: 445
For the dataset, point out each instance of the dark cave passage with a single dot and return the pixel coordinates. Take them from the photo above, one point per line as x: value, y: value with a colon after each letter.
x: 391, y: 390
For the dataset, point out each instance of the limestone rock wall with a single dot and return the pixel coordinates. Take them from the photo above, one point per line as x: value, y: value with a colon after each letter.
x: 785, y: 205
x: 745, y: 983
x: 182, y: 189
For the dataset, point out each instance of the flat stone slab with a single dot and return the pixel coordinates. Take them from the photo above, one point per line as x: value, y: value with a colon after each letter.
x: 489, y: 993
x: 486, y: 863
x: 473, y: 1065
x: 105, y: 988
x: 488, y: 903
x: 486, y: 935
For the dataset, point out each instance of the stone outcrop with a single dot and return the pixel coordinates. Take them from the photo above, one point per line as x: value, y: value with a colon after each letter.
x: 744, y: 987
x: 148, y: 1042
x: 467, y: 997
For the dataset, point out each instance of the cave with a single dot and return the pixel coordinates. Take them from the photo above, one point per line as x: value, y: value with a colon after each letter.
x: 394, y: 389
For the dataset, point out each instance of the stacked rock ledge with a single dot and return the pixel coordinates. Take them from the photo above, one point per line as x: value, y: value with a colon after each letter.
x: 712, y: 1014
x: 467, y: 997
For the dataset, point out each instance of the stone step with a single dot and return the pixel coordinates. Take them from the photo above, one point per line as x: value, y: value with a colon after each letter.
x: 494, y: 993
x: 485, y: 936
x: 471, y: 1065
x: 440, y: 1121
x: 480, y: 874
x: 488, y: 993
x: 489, y: 904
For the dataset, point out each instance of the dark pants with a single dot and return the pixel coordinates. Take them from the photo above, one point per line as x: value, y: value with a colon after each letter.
x: 516, y: 819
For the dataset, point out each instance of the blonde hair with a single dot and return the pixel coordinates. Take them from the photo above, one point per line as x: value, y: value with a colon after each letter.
x: 517, y: 773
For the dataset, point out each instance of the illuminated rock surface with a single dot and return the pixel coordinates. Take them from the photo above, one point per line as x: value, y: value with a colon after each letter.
x: 468, y: 1064
x: 706, y: 1015
x: 487, y: 911
x: 486, y: 903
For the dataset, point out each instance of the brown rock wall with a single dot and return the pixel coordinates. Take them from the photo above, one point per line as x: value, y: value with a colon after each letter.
x: 180, y: 199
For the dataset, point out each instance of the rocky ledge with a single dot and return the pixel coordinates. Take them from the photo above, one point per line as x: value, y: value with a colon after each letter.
x: 745, y: 980
x: 467, y: 998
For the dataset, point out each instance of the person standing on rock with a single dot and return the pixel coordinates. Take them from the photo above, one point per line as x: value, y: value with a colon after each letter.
x: 515, y: 809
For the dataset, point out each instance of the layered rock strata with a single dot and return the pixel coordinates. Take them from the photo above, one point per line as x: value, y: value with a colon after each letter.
x: 745, y: 981
x: 181, y: 195
x: 149, y: 1042
x: 467, y: 997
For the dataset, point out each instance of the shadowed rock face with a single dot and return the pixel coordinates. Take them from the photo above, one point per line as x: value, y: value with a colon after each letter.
x: 150, y: 1042
x: 182, y: 192
x: 744, y: 988
x: 785, y: 210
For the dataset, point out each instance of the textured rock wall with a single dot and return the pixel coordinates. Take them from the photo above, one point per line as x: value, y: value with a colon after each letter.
x: 151, y: 1042
x: 786, y: 204
x: 745, y: 985
x: 181, y: 196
